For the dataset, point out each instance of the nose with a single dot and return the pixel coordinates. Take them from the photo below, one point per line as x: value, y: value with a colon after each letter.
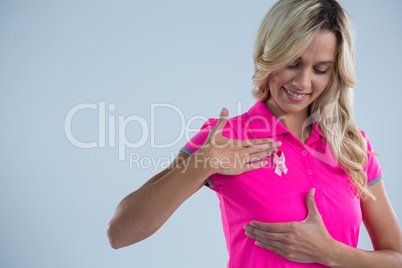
x: 302, y: 79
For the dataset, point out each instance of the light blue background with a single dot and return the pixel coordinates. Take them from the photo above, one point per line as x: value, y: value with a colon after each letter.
x: 56, y: 199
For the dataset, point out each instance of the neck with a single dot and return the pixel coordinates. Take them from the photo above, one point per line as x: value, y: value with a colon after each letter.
x: 292, y: 121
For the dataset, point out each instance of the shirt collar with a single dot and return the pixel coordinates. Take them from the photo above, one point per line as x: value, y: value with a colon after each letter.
x: 264, y: 124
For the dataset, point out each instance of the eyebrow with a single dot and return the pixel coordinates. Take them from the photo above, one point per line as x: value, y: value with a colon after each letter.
x: 325, y: 62
x: 321, y: 62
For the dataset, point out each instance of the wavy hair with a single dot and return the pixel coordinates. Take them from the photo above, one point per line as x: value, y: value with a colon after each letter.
x: 285, y: 32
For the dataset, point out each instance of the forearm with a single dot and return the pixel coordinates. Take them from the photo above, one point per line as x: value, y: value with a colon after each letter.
x: 346, y: 256
x: 144, y: 211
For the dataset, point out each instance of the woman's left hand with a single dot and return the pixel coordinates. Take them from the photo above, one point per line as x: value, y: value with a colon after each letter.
x: 307, y: 241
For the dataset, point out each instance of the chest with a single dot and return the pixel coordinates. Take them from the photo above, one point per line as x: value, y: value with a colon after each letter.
x: 263, y: 195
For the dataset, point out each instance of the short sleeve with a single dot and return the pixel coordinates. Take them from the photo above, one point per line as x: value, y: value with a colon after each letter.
x: 372, y: 167
x: 198, y: 140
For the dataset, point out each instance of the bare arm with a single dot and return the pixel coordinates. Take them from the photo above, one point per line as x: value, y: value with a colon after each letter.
x: 385, y: 233
x: 144, y: 211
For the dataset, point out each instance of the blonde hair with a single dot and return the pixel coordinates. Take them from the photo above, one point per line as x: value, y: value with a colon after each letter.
x: 285, y: 32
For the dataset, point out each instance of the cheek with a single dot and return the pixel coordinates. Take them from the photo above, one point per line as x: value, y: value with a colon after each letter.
x: 279, y: 79
x: 321, y: 85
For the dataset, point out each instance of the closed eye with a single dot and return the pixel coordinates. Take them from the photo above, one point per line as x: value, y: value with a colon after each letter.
x: 320, y: 72
x: 297, y: 65
x: 292, y: 66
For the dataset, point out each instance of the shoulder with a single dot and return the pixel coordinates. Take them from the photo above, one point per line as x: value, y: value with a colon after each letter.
x: 234, y: 127
x: 367, y: 140
x: 363, y: 133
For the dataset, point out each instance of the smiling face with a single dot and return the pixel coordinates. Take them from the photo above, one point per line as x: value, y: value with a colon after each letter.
x: 294, y: 87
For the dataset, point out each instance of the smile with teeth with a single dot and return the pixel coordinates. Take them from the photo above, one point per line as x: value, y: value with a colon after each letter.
x: 294, y: 95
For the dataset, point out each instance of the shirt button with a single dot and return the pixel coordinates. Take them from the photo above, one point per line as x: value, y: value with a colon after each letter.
x: 309, y: 171
x: 304, y: 153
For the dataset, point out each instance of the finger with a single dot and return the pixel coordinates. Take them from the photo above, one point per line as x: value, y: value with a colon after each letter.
x: 274, y: 249
x: 254, y: 165
x: 311, y: 204
x: 252, y: 157
x: 272, y: 243
x: 261, y: 235
x: 251, y: 142
x: 261, y: 147
x: 275, y: 243
x: 218, y: 128
x: 223, y: 117
x: 276, y: 227
x: 255, y: 154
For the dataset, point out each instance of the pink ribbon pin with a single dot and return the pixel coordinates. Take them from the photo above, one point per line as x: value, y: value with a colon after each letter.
x: 279, y: 161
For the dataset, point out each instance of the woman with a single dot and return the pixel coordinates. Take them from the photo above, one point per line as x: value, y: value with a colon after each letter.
x: 302, y: 205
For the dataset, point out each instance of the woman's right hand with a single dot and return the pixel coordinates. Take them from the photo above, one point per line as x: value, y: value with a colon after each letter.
x: 232, y: 156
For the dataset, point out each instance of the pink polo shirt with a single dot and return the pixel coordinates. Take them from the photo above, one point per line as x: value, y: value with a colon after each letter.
x: 262, y: 195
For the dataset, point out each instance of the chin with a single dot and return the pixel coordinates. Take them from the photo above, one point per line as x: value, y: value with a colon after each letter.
x: 293, y: 110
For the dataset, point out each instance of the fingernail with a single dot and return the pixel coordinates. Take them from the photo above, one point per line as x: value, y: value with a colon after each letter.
x: 278, y: 143
x: 313, y: 192
x: 252, y: 224
x: 223, y: 111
